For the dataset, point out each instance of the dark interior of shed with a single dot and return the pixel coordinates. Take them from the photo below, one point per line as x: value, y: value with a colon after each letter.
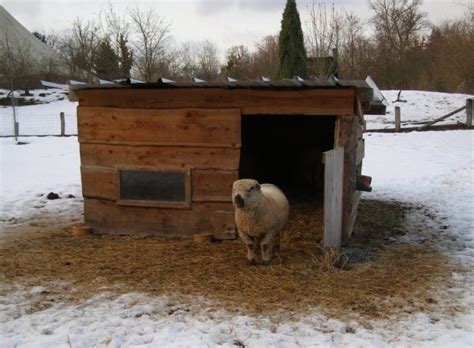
x: 286, y: 150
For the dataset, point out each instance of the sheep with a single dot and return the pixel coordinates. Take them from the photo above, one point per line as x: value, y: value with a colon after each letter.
x: 261, y: 212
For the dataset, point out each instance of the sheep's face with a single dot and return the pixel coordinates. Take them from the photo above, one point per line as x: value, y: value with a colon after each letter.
x: 246, y: 194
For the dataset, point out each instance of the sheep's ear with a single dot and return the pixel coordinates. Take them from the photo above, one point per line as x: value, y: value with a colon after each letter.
x: 257, y: 186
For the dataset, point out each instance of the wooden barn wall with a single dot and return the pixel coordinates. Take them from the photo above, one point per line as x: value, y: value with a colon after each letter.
x: 196, y: 129
x: 349, y: 134
x: 206, y: 141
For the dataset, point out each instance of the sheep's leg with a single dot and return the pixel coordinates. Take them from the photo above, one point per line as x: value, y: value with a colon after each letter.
x: 267, y: 247
x: 252, y: 246
x: 276, y: 242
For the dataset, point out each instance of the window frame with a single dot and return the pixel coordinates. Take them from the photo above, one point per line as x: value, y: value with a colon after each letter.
x: 186, y: 204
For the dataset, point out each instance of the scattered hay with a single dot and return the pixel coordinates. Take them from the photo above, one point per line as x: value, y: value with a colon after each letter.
x: 378, y: 277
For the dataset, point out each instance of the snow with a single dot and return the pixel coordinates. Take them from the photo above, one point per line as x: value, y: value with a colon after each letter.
x: 34, y: 169
x: 433, y: 169
x: 420, y: 106
x: 41, y: 119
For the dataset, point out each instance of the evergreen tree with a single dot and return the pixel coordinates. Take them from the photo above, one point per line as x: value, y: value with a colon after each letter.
x: 125, y: 58
x: 291, y: 50
x: 106, y: 61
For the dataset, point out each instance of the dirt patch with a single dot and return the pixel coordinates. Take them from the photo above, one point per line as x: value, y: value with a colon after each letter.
x: 381, y: 276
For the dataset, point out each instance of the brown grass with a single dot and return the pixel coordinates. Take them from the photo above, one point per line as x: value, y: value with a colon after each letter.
x: 372, y: 277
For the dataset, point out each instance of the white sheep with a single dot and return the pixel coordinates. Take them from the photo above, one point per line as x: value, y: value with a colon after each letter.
x: 261, y: 212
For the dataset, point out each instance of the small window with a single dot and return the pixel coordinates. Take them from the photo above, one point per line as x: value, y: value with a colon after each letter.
x: 154, y: 188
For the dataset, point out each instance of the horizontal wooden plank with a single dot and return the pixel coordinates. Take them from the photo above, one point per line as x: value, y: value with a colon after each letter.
x: 207, y: 185
x: 99, y: 182
x: 164, y: 157
x: 164, y: 126
x: 213, y: 185
x: 251, y: 101
x: 107, y: 217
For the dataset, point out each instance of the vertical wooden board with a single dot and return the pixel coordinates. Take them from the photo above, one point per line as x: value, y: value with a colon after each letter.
x: 160, y: 126
x: 360, y: 151
x: 333, y: 190
x: 347, y: 138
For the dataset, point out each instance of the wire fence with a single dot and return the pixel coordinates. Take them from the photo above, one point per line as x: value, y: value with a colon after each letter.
x: 38, y: 124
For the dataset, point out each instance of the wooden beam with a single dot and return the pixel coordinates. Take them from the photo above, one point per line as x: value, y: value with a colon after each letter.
x: 360, y: 151
x: 250, y: 101
x: 348, y: 138
x: 213, y: 127
x: 469, y: 111
x: 398, y: 119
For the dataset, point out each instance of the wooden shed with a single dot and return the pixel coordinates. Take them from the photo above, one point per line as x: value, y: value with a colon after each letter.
x: 161, y: 158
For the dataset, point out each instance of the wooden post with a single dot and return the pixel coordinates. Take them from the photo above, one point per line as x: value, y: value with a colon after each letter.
x: 398, y: 118
x: 469, y: 111
x: 63, y: 124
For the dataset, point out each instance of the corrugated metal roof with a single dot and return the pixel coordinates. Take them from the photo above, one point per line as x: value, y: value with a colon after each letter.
x: 287, y: 84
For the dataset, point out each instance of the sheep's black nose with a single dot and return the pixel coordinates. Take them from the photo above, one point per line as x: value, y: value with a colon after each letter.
x: 239, y: 201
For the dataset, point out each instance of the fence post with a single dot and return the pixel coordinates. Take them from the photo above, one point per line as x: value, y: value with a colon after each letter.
x: 63, y: 124
x: 469, y: 111
x: 398, y: 118
x: 17, y: 130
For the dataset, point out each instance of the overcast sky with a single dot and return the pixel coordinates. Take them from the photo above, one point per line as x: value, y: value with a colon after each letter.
x: 225, y: 22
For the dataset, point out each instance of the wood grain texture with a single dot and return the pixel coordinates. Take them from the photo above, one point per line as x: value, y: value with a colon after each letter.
x: 213, y: 185
x: 165, y: 126
x: 206, y: 185
x: 107, y: 217
x: 333, y: 190
x: 151, y: 157
x: 360, y: 151
x: 251, y: 101
x: 224, y: 225
x: 347, y: 138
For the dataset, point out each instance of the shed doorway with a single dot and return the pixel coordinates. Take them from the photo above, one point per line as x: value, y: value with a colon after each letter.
x: 286, y: 150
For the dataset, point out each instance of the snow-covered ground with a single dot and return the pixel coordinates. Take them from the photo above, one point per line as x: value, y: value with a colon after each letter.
x: 41, y: 119
x: 420, y: 106
x: 434, y: 169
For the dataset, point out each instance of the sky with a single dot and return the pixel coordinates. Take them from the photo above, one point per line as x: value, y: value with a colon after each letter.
x: 224, y: 22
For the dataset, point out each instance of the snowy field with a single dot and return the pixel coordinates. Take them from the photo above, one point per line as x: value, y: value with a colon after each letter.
x: 419, y: 107
x: 41, y: 119
x: 433, y: 169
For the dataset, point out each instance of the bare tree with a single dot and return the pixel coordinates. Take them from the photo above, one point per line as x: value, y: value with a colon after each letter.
x: 238, y: 62
x: 17, y: 68
x: 79, y: 47
x: 185, y: 65
x: 265, y: 60
x: 397, y: 24
x: 152, y: 38
x: 207, y: 60
x: 353, y: 37
x: 324, y: 38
